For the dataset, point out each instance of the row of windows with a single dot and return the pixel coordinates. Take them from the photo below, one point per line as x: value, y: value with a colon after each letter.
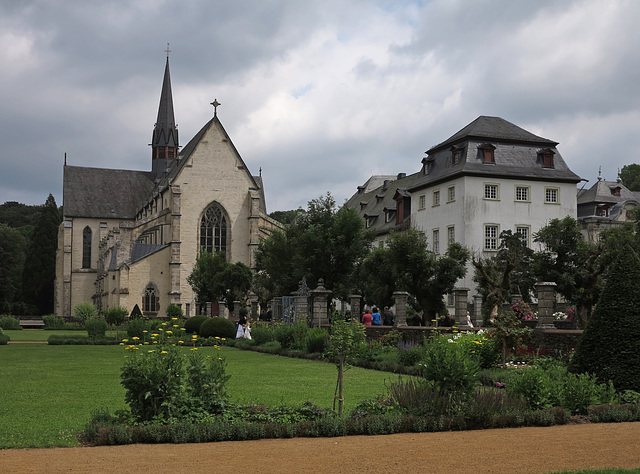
x: 491, y: 236
x: 492, y: 193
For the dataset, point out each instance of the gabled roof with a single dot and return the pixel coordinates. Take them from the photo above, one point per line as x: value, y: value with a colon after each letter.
x: 104, y: 193
x: 601, y: 192
x: 493, y: 129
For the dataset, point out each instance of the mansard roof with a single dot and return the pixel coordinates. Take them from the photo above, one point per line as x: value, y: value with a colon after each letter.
x: 517, y: 154
x: 486, y: 128
x: 104, y: 193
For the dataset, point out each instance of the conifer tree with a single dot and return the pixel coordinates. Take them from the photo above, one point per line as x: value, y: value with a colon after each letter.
x: 610, y: 345
x: 40, y: 263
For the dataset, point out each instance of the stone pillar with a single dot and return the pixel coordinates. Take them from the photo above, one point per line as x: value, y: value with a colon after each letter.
x: 236, y: 310
x: 355, y: 307
x: 546, y: 297
x: 477, y: 311
x: 320, y: 304
x: 401, y: 298
x: 254, y: 306
x: 222, y: 309
x: 208, y: 309
x: 460, y: 301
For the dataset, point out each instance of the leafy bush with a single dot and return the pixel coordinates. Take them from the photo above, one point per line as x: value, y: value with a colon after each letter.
x: 9, y: 323
x: 417, y: 397
x: 192, y: 325
x: 315, y: 340
x: 262, y: 333
x: 96, y: 328
x: 540, y: 388
x: 291, y: 335
x: 410, y: 356
x: 608, y: 347
x: 218, y: 327
x: 52, y: 322
x: 115, y: 316
x: 614, y: 413
x: 581, y: 390
x: 174, y: 311
x: 4, y: 338
x: 84, y: 311
x: 449, y: 366
x: 136, y: 328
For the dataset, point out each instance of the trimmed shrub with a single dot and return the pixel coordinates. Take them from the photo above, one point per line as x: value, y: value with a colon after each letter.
x: 52, y: 322
x: 610, y: 344
x: 218, y: 327
x: 136, y: 328
x: 9, y: 323
x: 614, y: 413
x: 192, y: 325
x: 96, y: 328
x: 136, y: 313
x: 84, y: 311
x: 174, y: 311
x: 4, y: 339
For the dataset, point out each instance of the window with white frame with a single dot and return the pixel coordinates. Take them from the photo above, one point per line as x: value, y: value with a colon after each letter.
x: 525, y: 233
x: 451, y: 234
x: 551, y: 195
x: 422, y: 202
x: 436, y: 240
x: 491, y: 191
x: 436, y: 198
x: 491, y: 237
x: 522, y: 193
x: 451, y: 193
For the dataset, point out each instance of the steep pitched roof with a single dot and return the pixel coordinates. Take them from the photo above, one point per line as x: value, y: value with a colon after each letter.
x: 104, y: 193
x: 165, y: 132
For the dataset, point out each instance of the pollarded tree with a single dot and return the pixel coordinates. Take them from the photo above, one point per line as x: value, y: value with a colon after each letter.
x: 610, y: 344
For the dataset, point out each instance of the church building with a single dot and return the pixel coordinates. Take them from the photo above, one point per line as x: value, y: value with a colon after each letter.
x: 132, y: 237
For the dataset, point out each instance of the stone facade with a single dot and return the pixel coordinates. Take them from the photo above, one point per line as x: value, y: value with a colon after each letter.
x: 132, y: 237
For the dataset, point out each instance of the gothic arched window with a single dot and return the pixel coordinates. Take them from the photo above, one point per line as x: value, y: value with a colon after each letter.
x: 213, y: 230
x: 86, y: 247
x: 150, y: 300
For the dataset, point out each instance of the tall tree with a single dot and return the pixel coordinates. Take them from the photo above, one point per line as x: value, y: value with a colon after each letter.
x: 405, y: 264
x: 506, y: 273
x: 12, y: 252
x: 323, y: 242
x: 213, y: 279
x: 40, y: 263
x: 630, y: 176
x: 570, y: 262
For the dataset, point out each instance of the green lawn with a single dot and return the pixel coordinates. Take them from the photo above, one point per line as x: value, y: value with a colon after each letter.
x: 47, y: 393
x: 30, y: 335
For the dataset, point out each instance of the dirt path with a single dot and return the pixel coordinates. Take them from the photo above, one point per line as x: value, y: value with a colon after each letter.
x: 531, y: 450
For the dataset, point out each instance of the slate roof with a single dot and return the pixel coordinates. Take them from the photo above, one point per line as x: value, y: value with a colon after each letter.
x: 372, y: 202
x: 517, y: 155
x: 589, y: 200
x: 104, y: 193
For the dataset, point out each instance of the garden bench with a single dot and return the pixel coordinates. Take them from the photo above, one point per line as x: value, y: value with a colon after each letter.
x: 32, y: 323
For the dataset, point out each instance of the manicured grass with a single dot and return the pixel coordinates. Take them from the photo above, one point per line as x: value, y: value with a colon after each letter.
x: 47, y: 393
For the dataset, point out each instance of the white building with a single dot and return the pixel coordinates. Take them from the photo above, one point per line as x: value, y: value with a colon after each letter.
x: 489, y: 177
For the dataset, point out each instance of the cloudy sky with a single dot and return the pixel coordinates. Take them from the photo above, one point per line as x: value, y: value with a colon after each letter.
x: 319, y: 94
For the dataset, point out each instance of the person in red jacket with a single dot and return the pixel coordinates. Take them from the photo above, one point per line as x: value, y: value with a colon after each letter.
x: 367, y: 318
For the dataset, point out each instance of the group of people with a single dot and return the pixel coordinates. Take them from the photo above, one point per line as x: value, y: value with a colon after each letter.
x: 243, y: 328
x: 374, y: 318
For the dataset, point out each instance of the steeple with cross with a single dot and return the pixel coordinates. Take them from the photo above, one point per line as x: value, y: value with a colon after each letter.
x: 164, y: 142
x: 215, y: 104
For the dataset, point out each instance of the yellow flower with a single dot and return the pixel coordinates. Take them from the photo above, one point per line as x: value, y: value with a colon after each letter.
x: 169, y: 332
x: 146, y: 342
x: 125, y: 340
x: 180, y: 342
x: 122, y: 343
x: 174, y: 319
x: 155, y: 342
x: 164, y: 352
x: 217, y: 337
x: 219, y: 358
x: 176, y: 325
x: 182, y: 329
x: 135, y: 338
x: 193, y: 349
x: 145, y: 331
x: 224, y: 339
x: 150, y: 351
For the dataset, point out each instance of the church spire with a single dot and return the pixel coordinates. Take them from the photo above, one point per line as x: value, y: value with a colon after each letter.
x: 164, y: 144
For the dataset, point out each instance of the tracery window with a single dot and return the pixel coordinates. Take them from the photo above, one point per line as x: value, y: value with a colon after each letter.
x: 151, y: 300
x: 213, y: 230
x: 86, y: 247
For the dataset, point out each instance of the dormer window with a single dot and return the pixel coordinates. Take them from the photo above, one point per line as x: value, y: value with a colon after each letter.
x: 370, y: 220
x: 361, y: 189
x: 427, y: 165
x: 379, y: 197
x: 615, y: 191
x: 363, y: 204
x: 456, y: 155
x: 546, y: 156
x: 389, y: 214
x: 487, y: 153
